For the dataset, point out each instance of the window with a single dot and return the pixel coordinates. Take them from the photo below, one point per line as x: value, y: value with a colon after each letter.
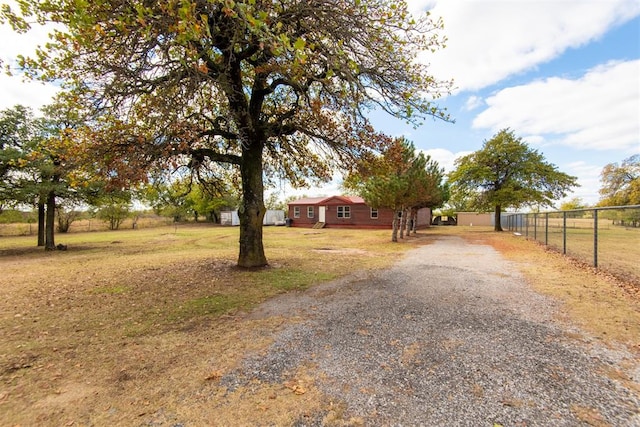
x: 296, y: 211
x: 374, y: 213
x: 344, y: 211
x: 309, y: 211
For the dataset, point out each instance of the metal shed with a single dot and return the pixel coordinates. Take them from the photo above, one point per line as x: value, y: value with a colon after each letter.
x: 271, y: 217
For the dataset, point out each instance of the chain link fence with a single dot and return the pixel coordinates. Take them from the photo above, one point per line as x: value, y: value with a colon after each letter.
x: 607, y: 238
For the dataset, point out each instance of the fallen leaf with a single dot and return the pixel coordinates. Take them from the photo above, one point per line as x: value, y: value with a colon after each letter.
x: 296, y: 387
x: 214, y: 376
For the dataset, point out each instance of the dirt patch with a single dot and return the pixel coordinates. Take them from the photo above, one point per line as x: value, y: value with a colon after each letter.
x: 343, y: 251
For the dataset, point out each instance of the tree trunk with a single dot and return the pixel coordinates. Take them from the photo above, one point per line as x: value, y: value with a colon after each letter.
x: 413, y: 218
x: 497, y: 219
x: 394, y: 226
x: 410, y: 222
x: 50, y: 244
x: 403, y: 222
x: 41, y: 221
x: 252, y: 209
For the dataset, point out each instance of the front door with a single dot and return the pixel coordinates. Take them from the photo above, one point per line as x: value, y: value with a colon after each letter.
x: 321, y: 214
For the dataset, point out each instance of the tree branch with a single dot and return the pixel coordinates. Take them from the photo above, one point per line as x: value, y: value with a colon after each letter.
x: 199, y: 154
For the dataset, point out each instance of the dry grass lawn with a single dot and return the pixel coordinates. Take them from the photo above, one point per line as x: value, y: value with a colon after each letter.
x: 126, y: 327
x: 137, y: 327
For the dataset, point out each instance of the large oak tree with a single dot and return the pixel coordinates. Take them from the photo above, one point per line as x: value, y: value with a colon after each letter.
x: 18, y: 134
x: 271, y: 87
x: 33, y: 166
x: 507, y: 173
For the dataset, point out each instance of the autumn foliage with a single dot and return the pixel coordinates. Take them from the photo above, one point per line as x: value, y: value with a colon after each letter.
x: 270, y: 88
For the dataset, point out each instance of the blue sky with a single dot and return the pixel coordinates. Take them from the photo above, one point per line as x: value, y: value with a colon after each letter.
x: 562, y: 74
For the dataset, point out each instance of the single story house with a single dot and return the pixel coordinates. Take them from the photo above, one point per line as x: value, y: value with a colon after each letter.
x: 344, y: 212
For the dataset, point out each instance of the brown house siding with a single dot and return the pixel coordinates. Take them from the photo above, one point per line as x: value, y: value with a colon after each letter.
x: 360, y: 214
x: 360, y: 217
x: 302, y: 220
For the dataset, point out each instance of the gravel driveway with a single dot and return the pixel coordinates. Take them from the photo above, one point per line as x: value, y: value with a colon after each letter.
x: 451, y: 336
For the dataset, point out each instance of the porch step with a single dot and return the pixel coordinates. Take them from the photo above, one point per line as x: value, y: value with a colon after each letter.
x: 319, y: 225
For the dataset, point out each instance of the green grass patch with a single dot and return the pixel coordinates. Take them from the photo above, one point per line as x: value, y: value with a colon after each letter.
x: 212, y: 305
x: 255, y: 288
x: 138, y: 328
x: 110, y: 290
x: 283, y: 280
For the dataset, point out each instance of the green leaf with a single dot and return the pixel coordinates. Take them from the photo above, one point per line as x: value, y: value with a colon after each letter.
x: 299, y: 44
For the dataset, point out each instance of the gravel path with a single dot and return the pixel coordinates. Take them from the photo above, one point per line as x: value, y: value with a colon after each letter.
x: 451, y: 336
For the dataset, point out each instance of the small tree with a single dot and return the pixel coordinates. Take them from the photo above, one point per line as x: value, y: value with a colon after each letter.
x: 197, y: 195
x: 20, y: 134
x: 66, y: 216
x: 113, y: 207
x: 506, y: 173
x: 621, y: 183
x: 34, y: 163
x: 573, y: 204
x: 169, y: 199
x: 114, y: 214
x: 427, y: 189
x: 210, y: 202
x: 398, y: 179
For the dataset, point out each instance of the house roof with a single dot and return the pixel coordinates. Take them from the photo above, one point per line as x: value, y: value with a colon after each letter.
x: 350, y: 200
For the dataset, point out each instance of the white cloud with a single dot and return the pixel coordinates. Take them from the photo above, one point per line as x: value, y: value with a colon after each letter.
x: 472, y: 103
x: 14, y: 44
x: 13, y: 88
x: 445, y: 158
x: 600, y: 110
x: 419, y: 6
x: 30, y: 94
x: 534, y: 139
x: 491, y: 40
x: 589, y: 179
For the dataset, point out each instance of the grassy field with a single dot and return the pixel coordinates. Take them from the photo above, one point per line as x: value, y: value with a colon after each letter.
x: 129, y: 326
x: 618, y: 246
x: 85, y: 225
x: 99, y: 333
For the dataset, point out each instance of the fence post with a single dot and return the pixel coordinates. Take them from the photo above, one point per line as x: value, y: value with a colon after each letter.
x: 526, y: 226
x: 535, y: 226
x: 564, y: 232
x: 519, y: 223
x: 595, y: 238
x: 546, y: 229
